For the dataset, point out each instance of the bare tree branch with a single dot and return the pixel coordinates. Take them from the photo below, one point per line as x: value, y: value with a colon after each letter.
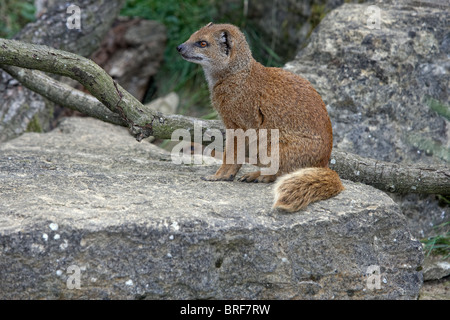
x: 142, y: 121
x: 391, y: 177
x: 23, y: 107
x: 63, y: 94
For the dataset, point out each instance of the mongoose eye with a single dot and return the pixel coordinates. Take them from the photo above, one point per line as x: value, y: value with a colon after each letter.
x: 202, y: 44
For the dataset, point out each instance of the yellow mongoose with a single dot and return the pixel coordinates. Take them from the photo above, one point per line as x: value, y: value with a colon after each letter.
x: 248, y: 95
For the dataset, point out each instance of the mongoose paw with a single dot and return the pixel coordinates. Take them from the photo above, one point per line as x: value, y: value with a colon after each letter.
x: 250, y: 177
x: 267, y: 179
x: 218, y: 178
x: 257, y: 177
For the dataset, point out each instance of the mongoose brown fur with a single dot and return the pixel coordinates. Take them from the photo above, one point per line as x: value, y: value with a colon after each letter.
x: 248, y: 95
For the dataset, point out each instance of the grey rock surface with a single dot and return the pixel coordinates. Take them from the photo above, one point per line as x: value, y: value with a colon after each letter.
x: 377, y: 83
x: 435, y: 268
x: 86, y: 212
x: 132, y: 52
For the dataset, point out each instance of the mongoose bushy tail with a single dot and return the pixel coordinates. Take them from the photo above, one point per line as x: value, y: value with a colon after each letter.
x: 296, y: 190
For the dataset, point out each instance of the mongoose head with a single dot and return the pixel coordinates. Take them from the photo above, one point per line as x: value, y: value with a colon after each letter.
x: 219, y: 49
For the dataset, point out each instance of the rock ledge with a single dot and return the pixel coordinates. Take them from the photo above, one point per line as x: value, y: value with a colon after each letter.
x: 86, y: 212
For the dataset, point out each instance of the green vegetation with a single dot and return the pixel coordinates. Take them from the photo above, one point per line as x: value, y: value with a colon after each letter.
x: 437, y: 106
x: 14, y: 14
x: 34, y: 125
x: 181, y: 19
x: 429, y: 146
x: 439, y: 244
x: 318, y: 12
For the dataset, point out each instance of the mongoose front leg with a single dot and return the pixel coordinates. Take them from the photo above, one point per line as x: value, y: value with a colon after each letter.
x: 226, y: 172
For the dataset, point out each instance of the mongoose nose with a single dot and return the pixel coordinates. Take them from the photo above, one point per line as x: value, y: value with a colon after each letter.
x: 180, y: 47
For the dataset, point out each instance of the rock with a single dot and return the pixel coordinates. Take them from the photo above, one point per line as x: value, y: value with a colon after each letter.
x: 132, y: 52
x: 435, y: 290
x: 21, y: 109
x: 87, y: 212
x: 434, y: 269
x: 387, y: 88
x: 167, y: 104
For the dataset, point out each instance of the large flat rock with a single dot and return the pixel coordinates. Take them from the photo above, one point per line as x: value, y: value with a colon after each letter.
x: 88, y: 212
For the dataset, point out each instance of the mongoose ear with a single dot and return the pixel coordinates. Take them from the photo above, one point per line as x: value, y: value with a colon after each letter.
x: 226, y: 42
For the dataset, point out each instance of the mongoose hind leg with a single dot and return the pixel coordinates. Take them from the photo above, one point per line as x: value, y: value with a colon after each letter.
x: 257, y: 177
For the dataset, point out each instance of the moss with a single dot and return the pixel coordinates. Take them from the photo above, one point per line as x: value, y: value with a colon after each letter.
x: 34, y: 125
x: 437, y: 106
x: 318, y: 12
x: 440, y: 244
x: 14, y: 15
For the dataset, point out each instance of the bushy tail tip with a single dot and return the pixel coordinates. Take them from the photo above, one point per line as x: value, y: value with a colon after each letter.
x: 296, y: 190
